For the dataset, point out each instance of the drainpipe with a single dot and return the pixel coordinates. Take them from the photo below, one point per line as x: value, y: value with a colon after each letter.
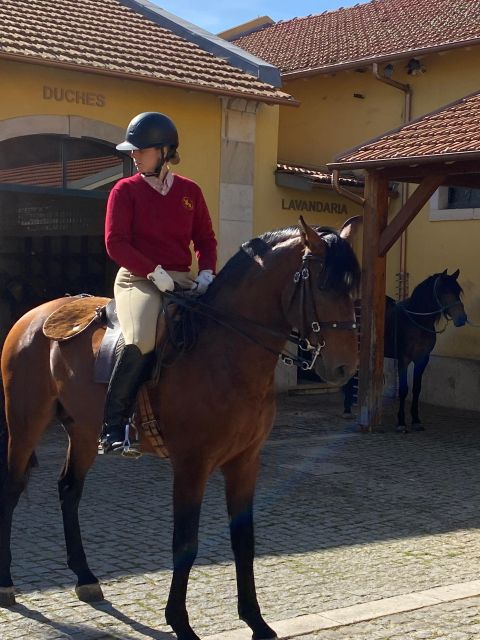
x: 407, y: 114
x: 345, y: 192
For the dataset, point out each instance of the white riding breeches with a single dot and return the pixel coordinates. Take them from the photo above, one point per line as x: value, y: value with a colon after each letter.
x: 138, y: 305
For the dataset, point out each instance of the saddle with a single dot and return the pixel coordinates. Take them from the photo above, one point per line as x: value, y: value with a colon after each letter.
x: 77, y: 315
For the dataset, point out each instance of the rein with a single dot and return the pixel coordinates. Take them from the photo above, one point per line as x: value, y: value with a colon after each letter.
x: 299, y: 279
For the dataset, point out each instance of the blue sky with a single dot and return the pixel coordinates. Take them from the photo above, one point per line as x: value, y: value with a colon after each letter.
x: 218, y: 15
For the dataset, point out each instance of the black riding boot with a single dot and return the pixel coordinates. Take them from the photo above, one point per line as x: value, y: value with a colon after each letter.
x: 130, y: 372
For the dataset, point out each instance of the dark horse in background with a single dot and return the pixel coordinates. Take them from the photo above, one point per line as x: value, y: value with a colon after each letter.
x: 411, y: 334
x: 302, y: 278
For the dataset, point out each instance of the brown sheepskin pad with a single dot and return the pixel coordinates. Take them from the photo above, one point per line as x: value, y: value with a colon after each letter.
x: 73, y: 317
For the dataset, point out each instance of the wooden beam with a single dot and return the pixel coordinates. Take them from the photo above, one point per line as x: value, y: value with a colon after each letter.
x: 373, y: 302
x: 415, y: 172
x: 407, y: 213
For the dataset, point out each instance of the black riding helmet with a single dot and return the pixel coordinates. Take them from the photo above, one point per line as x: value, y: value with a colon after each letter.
x: 150, y: 129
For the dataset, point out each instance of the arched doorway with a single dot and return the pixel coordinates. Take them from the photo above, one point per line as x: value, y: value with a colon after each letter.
x: 53, y: 191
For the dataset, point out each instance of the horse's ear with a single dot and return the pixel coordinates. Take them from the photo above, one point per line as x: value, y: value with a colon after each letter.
x: 455, y: 274
x: 350, y: 228
x: 310, y: 237
x: 444, y: 273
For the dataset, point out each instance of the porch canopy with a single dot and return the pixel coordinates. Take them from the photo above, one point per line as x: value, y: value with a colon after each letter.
x: 439, y: 148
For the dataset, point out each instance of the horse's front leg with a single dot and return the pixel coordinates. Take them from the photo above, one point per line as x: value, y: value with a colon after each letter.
x: 188, y: 490
x: 81, y: 455
x: 240, y: 478
x: 419, y: 368
x: 402, y: 395
x: 348, y: 390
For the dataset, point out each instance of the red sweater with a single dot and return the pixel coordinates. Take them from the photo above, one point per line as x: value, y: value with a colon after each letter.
x: 144, y: 228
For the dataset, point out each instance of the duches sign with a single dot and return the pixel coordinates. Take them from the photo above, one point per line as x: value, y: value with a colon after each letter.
x: 60, y: 94
x: 314, y: 205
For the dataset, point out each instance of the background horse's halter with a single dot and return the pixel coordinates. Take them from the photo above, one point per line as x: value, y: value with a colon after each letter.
x: 300, y: 279
x: 441, y: 309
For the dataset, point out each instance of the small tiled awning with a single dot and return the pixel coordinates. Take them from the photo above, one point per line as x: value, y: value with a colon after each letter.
x: 449, y: 134
x: 85, y: 173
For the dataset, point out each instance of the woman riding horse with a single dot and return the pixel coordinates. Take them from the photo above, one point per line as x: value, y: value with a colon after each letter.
x: 151, y: 219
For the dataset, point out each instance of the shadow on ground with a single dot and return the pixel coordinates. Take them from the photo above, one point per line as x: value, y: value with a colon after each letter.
x: 322, y: 485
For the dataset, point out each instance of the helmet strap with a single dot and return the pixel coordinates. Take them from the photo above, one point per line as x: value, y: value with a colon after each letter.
x: 161, y: 161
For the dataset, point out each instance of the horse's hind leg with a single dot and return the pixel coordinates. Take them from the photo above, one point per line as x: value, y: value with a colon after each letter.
x: 82, y: 451
x: 418, y: 369
x: 402, y: 394
x: 26, y: 428
x: 240, y: 478
x: 14, y: 480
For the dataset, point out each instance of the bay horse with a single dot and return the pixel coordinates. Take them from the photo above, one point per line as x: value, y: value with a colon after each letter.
x: 295, y: 277
x: 411, y: 335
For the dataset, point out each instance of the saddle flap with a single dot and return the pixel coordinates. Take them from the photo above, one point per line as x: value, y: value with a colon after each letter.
x: 78, y: 313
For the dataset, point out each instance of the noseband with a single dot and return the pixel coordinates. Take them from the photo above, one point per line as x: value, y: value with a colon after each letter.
x: 307, y: 320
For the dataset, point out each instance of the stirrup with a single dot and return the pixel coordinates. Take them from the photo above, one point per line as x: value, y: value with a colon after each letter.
x: 126, y: 448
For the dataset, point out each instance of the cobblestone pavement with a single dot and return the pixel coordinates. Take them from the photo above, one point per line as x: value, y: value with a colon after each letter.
x: 342, y: 518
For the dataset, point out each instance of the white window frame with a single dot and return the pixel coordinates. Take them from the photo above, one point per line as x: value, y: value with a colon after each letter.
x: 438, y: 208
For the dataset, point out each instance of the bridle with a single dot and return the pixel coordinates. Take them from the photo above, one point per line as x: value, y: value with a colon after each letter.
x: 302, y: 286
x: 305, y: 323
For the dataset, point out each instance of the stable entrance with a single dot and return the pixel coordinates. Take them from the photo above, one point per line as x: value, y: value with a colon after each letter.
x: 53, y: 191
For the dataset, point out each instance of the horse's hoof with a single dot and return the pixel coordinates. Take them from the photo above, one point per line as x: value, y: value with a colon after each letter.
x: 7, y: 597
x: 265, y: 636
x: 401, y: 429
x: 89, y: 592
x: 347, y: 416
x: 418, y: 427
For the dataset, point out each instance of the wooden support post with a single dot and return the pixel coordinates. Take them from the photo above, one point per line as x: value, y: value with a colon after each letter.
x: 373, y: 302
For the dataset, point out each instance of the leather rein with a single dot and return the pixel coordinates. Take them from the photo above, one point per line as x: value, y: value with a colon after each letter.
x: 302, y: 286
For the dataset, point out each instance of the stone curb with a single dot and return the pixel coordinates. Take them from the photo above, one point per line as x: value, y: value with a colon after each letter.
x: 362, y: 612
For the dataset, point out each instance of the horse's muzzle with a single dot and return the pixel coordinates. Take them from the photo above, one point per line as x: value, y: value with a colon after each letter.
x: 461, y: 320
x: 338, y: 375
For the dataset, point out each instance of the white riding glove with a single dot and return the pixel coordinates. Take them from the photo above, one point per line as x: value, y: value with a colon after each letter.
x: 161, y: 279
x: 203, y: 281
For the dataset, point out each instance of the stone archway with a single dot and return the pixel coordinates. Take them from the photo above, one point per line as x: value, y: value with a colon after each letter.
x: 73, y: 126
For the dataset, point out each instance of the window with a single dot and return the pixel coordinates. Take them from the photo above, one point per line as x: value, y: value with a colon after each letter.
x: 455, y: 203
x: 59, y: 162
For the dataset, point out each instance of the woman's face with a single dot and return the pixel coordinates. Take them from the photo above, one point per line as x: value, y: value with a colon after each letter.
x: 146, y: 160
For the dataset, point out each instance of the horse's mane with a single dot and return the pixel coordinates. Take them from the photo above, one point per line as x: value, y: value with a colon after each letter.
x: 341, y: 273
x: 423, y: 294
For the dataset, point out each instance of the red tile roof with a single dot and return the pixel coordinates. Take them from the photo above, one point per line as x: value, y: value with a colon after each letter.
x: 317, y: 175
x: 380, y: 29
x: 452, y: 132
x: 108, y: 37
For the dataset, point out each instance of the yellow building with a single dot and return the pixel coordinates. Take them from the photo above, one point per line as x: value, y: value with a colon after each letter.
x: 72, y: 78
x: 357, y: 73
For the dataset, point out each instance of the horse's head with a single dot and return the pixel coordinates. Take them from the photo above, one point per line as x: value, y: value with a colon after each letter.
x: 320, y: 304
x: 448, y: 293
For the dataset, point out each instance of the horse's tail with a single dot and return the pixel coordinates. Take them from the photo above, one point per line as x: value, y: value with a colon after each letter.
x: 3, y: 438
